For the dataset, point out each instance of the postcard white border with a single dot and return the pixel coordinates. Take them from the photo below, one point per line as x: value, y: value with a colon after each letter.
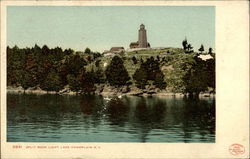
x: 232, y: 86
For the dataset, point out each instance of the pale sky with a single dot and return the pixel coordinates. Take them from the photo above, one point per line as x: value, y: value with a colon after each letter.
x: 102, y: 27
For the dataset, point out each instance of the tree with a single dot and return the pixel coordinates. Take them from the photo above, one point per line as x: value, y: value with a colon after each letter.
x: 99, y: 76
x: 158, y: 58
x: 159, y: 80
x: 195, y: 79
x: 15, y: 63
x: 87, y: 51
x: 97, y: 63
x: 52, y: 82
x: 31, y: 66
x: 153, y: 66
x: 140, y: 76
x: 210, y: 70
x: 149, y: 70
x: 96, y: 55
x: 74, y: 63
x: 37, y: 51
x: 201, y: 49
x: 74, y: 83
x: 190, y: 48
x: 141, y: 61
x: 187, y: 47
x: 26, y: 80
x: 45, y: 50
x: 57, y: 54
x: 63, y: 72
x: 184, y: 44
x: 134, y: 60
x: 89, y: 58
x: 86, y: 80
x: 68, y: 52
x: 210, y: 50
x: 116, y: 73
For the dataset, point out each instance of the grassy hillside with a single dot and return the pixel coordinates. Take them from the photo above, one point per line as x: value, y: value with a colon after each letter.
x: 171, y: 59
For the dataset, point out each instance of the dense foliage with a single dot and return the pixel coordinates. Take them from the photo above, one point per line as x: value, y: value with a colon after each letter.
x: 199, y: 76
x: 149, y: 71
x: 140, y: 77
x: 116, y: 73
x: 54, y: 69
x: 50, y: 69
x: 33, y: 66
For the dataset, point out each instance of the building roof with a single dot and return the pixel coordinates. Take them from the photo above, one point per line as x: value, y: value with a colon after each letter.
x: 133, y: 43
x: 116, y: 49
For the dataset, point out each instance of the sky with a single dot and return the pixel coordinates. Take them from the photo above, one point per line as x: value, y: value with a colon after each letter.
x: 103, y: 27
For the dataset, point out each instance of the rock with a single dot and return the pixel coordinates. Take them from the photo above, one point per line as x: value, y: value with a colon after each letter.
x: 65, y: 90
x: 152, y: 87
x: 106, y: 88
x: 125, y: 89
x: 151, y: 92
x: 32, y: 88
x: 157, y: 90
x: 137, y: 93
x: 19, y: 88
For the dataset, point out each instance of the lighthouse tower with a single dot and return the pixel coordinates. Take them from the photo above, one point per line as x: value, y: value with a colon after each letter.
x: 142, y: 37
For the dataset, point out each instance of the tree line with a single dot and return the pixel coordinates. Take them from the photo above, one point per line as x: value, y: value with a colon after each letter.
x: 188, y: 48
x: 48, y: 68
x: 51, y: 69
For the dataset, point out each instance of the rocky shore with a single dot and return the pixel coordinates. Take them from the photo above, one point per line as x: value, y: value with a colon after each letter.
x: 106, y: 90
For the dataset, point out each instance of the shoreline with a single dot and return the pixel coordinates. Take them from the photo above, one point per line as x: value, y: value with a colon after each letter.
x: 20, y: 90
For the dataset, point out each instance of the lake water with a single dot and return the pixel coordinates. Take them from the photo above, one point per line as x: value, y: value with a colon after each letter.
x: 73, y: 118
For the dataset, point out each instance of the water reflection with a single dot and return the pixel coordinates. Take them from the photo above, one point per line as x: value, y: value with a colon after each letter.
x: 117, y: 111
x: 64, y: 118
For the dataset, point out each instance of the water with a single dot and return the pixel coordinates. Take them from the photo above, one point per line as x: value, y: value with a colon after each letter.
x: 72, y: 118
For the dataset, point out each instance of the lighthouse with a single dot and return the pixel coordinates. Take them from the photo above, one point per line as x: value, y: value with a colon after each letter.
x: 142, y: 39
